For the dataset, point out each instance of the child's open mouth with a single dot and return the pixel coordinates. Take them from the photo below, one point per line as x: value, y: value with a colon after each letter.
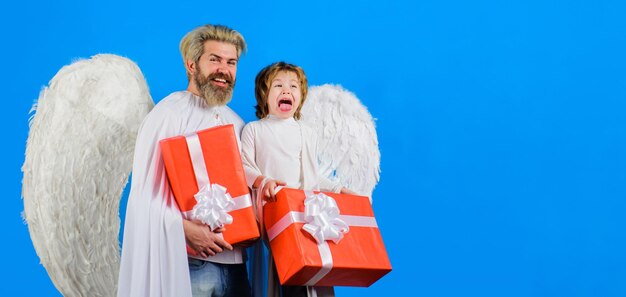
x: 285, y: 105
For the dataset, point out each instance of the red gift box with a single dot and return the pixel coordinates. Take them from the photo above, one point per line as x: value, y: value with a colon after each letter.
x: 359, y: 259
x: 210, y: 156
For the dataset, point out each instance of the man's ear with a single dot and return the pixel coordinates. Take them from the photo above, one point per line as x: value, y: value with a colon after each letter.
x: 191, y: 66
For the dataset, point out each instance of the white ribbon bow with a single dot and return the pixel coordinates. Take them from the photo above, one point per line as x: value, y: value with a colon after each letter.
x: 322, y: 217
x: 213, y: 206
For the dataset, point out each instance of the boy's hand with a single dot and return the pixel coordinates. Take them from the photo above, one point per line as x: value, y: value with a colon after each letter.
x: 269, y: 189
x: 347, y: 191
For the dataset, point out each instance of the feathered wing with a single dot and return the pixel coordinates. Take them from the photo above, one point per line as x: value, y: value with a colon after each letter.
x: 78, y: 157
x: 347, y: 141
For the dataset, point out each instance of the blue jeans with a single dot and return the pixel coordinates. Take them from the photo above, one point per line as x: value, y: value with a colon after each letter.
x: 210, y: 279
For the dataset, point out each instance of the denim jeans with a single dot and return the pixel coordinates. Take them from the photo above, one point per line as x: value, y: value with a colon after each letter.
x: 210, y: 279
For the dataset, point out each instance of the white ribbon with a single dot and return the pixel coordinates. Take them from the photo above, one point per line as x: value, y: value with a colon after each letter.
x: 322, y: 217
x: 213, y: 201
x: 213, y: 205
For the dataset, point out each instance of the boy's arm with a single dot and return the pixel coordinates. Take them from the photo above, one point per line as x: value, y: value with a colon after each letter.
x: 323, y: 182
x: 254, y: 178
x: 329, y: 186
x: 248, y: 157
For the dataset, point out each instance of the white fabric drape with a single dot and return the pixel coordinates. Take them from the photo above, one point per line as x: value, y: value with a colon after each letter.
x: 154, y: 257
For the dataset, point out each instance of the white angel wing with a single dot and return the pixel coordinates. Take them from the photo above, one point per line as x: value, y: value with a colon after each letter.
x: 347, y: 144
x: 78, y: 158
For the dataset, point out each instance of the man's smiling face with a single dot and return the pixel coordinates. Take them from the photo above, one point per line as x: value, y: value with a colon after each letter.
x: 216, y: 71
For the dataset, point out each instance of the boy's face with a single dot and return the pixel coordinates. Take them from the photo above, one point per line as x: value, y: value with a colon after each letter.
x: 284, y: 95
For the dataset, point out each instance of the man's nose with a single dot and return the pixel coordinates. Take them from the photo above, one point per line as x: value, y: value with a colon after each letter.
x: 222, y: 67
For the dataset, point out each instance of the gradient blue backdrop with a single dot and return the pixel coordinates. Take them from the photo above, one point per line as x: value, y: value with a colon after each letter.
x: 501, y: 124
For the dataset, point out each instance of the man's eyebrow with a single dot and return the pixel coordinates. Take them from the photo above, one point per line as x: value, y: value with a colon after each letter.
x: 220, y: 57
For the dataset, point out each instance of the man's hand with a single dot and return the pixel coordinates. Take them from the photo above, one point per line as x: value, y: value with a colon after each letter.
x: 204, y: 241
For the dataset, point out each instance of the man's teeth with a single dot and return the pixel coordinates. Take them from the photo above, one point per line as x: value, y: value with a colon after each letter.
x: 220, y: 80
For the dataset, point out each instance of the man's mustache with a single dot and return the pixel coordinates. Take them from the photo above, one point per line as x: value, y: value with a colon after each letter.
x: 228, y: 78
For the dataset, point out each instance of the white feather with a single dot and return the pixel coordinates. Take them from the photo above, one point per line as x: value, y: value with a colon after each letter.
x: 347, y: 144
x: 78, y: 158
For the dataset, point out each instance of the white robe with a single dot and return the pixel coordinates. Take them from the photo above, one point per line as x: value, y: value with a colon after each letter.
x: 285, y: 150
x: 154, y: 257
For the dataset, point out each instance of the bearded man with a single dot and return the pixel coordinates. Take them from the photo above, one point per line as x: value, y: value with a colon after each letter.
x: 154, y: 258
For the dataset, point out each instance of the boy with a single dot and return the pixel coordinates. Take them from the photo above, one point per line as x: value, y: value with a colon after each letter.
x: 277, y: 150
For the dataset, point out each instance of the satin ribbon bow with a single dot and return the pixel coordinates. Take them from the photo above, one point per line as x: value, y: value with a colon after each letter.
x: 213, y: 206
x: 322, y: 217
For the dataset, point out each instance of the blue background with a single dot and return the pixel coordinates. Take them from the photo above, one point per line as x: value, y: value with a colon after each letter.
x: 501, y: 124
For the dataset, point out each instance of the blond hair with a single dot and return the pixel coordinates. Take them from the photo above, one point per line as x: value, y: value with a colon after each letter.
x: 264, y: 79
x: 192, y: 45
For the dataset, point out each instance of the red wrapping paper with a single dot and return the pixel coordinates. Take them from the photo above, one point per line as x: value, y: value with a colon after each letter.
x: 359, y: 259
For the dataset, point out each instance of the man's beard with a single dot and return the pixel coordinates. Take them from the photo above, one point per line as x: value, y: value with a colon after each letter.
x: 212, y: 94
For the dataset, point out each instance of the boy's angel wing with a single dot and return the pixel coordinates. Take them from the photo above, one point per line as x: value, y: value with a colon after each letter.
x: 78, y: 157
x: 347, y: 141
